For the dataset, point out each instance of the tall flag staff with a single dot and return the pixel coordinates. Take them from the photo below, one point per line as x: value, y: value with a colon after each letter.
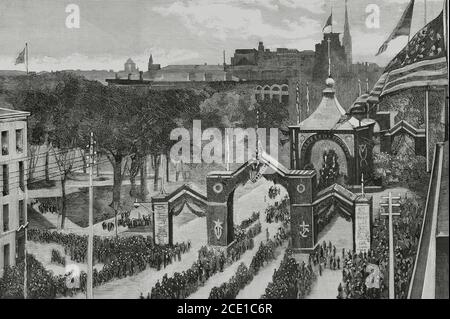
x: 23, y: 57
x: 297, y: 102
x: 329, y: 57
x: 359, y: 87
x: 307, y: 98
x: 329, y: 23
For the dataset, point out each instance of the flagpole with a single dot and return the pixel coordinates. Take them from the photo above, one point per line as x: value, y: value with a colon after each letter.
x: 427, y: 135
x: 425, y: 12
x: 307, y: 98
x: 329, y: 55
x: 298, y: 103
x: 26, y: 56
x: 331, y: 6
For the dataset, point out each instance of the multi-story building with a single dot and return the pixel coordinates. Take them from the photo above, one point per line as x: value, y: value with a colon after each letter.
x: 13, y: 162
x: 264, y: 64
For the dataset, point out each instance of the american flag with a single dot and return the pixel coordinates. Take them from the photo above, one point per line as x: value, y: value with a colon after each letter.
x: 421, y: 63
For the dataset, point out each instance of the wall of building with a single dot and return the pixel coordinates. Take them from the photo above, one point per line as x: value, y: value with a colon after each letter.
x: 15, y: 192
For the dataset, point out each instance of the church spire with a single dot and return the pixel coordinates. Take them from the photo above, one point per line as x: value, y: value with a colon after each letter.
x: 150, y: 62
x: 347, y: 39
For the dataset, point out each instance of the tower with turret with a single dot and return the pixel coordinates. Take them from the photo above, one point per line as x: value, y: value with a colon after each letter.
x: 152, y: 68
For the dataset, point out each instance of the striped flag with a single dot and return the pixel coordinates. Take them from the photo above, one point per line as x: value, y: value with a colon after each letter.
x: 403, y: 27
x: 21, y: 57
x: 421, y: 63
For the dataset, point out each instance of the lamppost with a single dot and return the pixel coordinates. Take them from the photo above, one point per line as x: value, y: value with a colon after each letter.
x: 391, y: 215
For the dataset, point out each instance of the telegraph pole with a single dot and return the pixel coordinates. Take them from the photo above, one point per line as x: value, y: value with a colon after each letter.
x: 390, y: 214
x: 90, y: 250
x: 25, y: 230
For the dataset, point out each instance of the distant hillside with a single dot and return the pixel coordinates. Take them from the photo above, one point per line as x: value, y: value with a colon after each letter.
x: 11, y: 72
x: 94, y: 75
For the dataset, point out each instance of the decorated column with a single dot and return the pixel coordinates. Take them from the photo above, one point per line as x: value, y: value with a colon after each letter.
x: 160, y: 207
x: 219, y: 217
x: 363, y: 223
x: 301, y: 193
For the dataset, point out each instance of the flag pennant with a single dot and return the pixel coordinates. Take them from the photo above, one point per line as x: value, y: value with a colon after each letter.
x: 421, y: 63
x: 403, y: 27
x: 329, y: 22
x: 21, y: 57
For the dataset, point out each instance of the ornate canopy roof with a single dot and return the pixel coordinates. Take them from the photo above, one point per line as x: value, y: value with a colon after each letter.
x: 329, y: 115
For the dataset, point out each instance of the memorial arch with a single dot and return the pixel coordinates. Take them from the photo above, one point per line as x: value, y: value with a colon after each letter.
x: 167, y: 206
x: 299, y: 184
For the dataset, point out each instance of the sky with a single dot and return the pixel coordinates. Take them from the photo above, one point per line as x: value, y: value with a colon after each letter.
x: 187, y: 31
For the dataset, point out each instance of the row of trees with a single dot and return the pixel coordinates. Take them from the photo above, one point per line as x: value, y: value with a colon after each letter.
x: 129, y: 123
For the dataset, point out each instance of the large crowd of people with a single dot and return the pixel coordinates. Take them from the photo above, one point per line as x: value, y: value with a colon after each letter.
x: 41, y: 283
x: 209, y: 262
x: 366, y: 275
x: 244, y: 274
x: 126, y: 221
x: 121, y: 256
x: 46, y: 205
x: 326, y: 256
x: 247, y: 222
x: 278, y: 212
x: 291, y: 280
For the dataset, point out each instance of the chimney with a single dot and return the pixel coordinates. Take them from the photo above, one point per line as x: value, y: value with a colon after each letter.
x: 141, y: 75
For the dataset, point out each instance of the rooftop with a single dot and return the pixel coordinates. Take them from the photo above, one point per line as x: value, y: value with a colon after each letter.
x: 329, y: 115
x: 193, y: 67
x: 9, y: 113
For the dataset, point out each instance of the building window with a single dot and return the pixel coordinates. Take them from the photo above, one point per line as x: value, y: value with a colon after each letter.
x: 6, y: 256
x: 5, y: 217
x: 21, y: 213
x: 5, y: 143
x: 21, y: 176
x: 19, y: 141
x: 5, y: 172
